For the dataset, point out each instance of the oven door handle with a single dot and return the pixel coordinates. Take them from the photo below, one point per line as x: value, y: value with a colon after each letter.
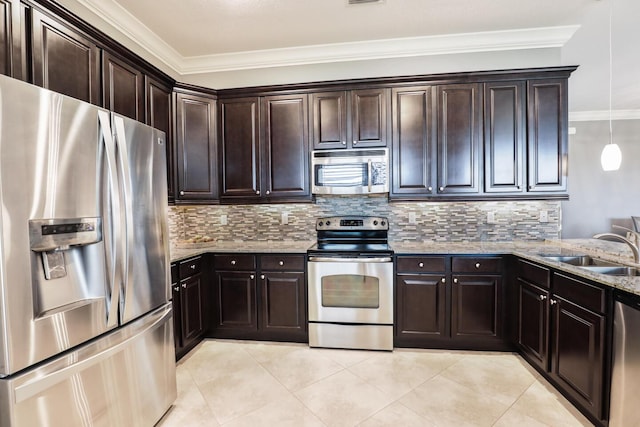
x: 336, y: 259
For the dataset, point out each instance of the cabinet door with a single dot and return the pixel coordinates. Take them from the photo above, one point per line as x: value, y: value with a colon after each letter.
x: 533, y: 323
x: 505, y: 137
x: 177, y: 318
x: 191, y: 309
x: 64, y: 60
x: 285, y: 147
x: 195, y: 149
x: 236, y: 296
x: 547, y: 135
x: 369, y: 110
x: 459, y: 134
x: 159, y: 115
x: 239, y: 148
x: 329, y: 119
x: 413, y: 149
x: 577, y: 359
x: 123, y: 87
x: 12, y: 40
x: 476, y: 307
x: 421, y: 306
x: 283, y: 305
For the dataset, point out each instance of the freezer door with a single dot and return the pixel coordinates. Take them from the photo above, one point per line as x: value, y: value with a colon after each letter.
x: 143, y: 181
x: 54, y: 285
x: 125, y: 378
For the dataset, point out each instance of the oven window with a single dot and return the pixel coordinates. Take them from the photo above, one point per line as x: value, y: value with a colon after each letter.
x: 350, y: 290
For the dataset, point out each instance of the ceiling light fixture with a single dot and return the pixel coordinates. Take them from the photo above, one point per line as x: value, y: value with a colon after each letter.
x: 611, y: 156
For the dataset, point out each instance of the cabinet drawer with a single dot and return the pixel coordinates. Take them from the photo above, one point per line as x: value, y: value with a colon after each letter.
x: 476, y: 265
x: 534, y: 274
x: 418, y: 264
x: 581, y: 293
x: 189, y: 267
x: 235, y: 262
x: 282, y: 262
x: 175, y: 273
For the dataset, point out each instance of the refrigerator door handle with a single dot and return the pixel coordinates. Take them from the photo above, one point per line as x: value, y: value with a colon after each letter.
x: 111, y: 220
x: 125, y: 175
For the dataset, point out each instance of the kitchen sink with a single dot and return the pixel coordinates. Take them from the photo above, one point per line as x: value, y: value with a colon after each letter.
x: 595, y: 265
x: 580, y: 260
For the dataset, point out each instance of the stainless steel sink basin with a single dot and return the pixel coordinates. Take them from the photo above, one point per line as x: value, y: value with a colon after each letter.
x: 580, y: 260
x: 614, y: 270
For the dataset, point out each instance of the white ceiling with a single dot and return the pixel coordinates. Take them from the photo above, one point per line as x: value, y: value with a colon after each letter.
x: 221, y: 43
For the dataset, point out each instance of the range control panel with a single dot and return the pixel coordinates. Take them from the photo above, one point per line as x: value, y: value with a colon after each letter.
x: 352, y: 223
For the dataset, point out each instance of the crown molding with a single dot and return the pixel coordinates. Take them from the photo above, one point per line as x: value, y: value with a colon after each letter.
x: 131, y: 27
x: 589, y: 116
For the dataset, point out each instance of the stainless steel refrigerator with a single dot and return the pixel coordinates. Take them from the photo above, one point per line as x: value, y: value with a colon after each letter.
x: 86, y: 334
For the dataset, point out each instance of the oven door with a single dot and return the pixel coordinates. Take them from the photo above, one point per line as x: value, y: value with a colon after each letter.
x: 351, y: 290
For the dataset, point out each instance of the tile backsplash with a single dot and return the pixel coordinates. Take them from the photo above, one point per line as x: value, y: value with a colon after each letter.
x: 408, y: 221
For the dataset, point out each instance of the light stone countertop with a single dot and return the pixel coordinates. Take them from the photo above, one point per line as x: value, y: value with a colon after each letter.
x: 531, y: 250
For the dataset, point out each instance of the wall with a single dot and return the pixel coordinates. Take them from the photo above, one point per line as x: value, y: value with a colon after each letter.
x: 597, y: 198
x: 436, y: 221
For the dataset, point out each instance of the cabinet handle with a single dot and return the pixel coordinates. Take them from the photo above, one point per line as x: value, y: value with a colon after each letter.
x: 440, y: 188
x: 455, y: 280
x: 443, y: 280
x: 552, y: 301
x: 192, y: 266
x: 531, y: 187
x: 421, y: 264
x: 542, y: 297
x: 355, y: 142
x: 233, y: 262
x: 177, y: 288
x: 184, y: 286
x: 280, y: 263
x: 477, y: 265
x: 262, y: 276
x: 182, y: 193
x: 258, y: 192
x: 430, y: 189
x: 252, y: 277
x: 267, y: 192
x: 344, y: 142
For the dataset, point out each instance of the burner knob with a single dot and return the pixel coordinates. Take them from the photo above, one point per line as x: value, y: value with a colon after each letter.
x: 328, y: 223
x: 383, y: 223
x: 375, y: 222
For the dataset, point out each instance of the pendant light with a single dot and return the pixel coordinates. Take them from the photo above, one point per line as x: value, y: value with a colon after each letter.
x: 611, y: 156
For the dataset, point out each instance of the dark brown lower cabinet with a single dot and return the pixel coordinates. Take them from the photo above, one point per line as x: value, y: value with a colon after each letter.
x: 260, y: 297
x: 449, y: 302
x: 188, y: 292
x: 562, y: 329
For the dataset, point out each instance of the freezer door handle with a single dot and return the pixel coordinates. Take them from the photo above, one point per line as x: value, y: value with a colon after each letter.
x: 125, y: 175
x: 42, y: 383
x: 111, y: 220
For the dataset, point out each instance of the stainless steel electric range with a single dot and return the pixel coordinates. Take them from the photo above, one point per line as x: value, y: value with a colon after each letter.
x: 351, y: 284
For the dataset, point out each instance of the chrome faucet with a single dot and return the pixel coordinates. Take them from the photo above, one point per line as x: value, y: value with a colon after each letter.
x: 619, y: 238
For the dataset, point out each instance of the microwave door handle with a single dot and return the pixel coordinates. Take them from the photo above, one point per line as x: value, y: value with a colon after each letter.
x: 369, y: 173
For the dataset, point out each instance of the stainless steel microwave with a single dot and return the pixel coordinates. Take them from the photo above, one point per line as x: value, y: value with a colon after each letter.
x: 363, y: 171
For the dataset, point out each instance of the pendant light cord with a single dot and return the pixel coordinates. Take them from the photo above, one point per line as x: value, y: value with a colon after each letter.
x: 610, y: 72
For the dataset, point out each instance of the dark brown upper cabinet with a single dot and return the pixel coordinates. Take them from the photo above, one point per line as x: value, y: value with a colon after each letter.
x: 350, y: 119
x: 159, y: 114
x: 12, y: 39
x: 196, y: 150
x: 504, y: 137
x: 459, y: 109
x: 238, y: 135
x: 413, y: 147
x: 123, y: 87
x: 64, y: 60
x: 547, y: 135
x: 264, y: 149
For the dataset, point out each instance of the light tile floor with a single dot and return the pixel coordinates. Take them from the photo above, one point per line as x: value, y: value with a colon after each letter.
x: 250, y: 383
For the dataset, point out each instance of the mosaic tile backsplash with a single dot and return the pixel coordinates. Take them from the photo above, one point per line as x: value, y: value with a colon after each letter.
x: 434, y: 221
